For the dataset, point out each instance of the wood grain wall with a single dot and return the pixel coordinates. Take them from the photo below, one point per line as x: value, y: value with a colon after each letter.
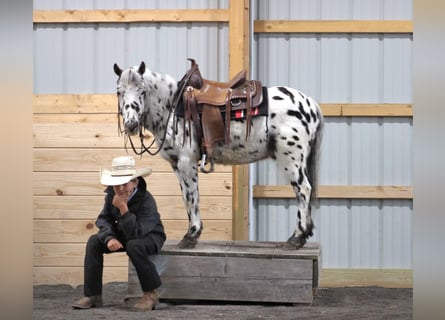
x: 69, y: 149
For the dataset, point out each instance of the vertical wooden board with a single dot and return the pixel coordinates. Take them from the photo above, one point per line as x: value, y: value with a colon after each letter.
x: 239, y: 43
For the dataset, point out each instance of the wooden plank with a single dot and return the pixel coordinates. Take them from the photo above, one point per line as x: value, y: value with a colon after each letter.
x: 333, y: 26
x: 127, y: 16
x: 87, y: 159
x: 388, y: 278
x: 87, y: 184
x: 239, y: 248
x: 61, y: 118
x: 170, y: 207
x: 74, y: 275
x: 237, y: 289
x: 45, y: 106
x: 337, y: 192
x: 366, y: 110
x: 239, y: 57
x: 230, y: 266
x: 71, y: 255
x: 78, y: 135
x: 74, y: 103
x: 78, y: 231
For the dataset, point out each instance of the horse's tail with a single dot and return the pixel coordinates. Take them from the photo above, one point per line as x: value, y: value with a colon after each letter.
x: 314, y: 158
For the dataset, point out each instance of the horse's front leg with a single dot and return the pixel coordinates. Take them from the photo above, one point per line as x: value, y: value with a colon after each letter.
x: 187, y: 173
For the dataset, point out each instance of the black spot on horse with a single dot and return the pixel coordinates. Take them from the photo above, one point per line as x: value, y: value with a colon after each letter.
x: 277, y: 98
x: 290, y: 143
x: 294, y: 113
x: 287, y: 93
x: 273, y: 115
x: 303, y: 112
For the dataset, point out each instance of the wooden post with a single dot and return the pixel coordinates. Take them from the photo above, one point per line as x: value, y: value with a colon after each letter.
x: 239, y: 40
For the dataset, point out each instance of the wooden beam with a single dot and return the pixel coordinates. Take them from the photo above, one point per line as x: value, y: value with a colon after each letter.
x: 350, y: 277
x: 107, y: 103
x: 127, y: 16
x: 333, y: 26
x: 337, y: 192
x: 366, y: 110
x: 239, y: 41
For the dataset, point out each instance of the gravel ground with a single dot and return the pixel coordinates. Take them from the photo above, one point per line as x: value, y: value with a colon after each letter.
x: 54, y: 302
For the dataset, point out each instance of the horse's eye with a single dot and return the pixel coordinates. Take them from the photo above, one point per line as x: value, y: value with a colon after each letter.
x: 118, y: 93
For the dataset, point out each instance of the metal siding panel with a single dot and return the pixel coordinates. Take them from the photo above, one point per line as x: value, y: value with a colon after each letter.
x: 79, y: 58
x: 48, y: 58
x: 397, y: 234
x: 365, y: 233
x: 334, y: 233
x: 398, y: 9
x: 366, y: 156
x: 397, y: 81
x: 335, y: 69
x: 367, y: 68
x: 367, y: 9
x: 336, y: 9
x: 398, y: 150
x: 335, y: 153
x: 109, y: 49
x: 370, y: 151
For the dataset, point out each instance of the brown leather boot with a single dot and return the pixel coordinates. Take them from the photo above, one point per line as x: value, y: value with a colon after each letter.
x: 148, y: 301
x: 88, y: 302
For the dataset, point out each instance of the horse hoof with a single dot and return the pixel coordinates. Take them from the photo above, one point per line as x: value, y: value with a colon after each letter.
x: 293, y: 244
x: 187, y: 243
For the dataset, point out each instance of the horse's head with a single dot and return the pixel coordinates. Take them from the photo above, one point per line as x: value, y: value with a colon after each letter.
x: 131, y: 93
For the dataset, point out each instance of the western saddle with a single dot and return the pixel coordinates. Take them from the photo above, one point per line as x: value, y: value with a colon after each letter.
x: 209, y: 105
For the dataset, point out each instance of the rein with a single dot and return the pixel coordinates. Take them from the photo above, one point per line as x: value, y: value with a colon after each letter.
x: 141, y: 139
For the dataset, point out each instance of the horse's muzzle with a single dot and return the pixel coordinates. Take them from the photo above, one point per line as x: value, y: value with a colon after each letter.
x: 131, y: 127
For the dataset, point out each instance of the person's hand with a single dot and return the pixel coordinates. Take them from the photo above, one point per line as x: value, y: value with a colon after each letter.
x: 114, y: 245
x: 120, y: 202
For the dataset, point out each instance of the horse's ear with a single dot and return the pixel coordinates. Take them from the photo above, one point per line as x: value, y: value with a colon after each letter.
x: 141, y: 69
x: 117, y: 70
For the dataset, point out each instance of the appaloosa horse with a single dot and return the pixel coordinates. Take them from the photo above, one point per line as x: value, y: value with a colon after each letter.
x: 289, y: 132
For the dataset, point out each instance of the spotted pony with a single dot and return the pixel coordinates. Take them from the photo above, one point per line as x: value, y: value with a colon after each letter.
x: 290, y: 133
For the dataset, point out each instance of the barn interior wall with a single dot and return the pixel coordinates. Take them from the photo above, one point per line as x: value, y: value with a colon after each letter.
x: 69, y: 148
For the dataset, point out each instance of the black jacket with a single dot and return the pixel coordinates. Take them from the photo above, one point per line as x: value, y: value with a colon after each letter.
x: 142, y: 219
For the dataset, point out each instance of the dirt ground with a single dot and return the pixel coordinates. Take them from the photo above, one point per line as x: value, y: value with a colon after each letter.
x: 54, y: 302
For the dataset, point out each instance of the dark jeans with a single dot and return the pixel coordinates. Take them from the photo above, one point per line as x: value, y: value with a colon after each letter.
x: 137, y: 249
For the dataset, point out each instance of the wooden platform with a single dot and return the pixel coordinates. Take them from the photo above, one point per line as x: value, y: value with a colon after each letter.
x: 235, y: 271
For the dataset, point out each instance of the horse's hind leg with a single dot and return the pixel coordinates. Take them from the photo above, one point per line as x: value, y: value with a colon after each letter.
x: 301, y: 185
x: 304, y: 226
x: 187, y: 173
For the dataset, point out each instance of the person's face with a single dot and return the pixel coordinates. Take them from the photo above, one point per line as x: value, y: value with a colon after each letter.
x: 125, y: 189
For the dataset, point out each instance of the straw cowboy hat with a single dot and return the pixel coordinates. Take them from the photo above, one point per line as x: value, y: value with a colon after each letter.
x: 123, y: 170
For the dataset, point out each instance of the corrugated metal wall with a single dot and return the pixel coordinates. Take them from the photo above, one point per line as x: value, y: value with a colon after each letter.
x: 79, y: 58
x: 344, y: 68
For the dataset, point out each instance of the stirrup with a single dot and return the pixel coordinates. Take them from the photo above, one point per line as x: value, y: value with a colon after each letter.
x: 203, y: 163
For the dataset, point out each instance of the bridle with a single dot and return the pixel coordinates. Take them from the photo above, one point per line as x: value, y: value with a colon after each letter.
x: 143, y: 148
